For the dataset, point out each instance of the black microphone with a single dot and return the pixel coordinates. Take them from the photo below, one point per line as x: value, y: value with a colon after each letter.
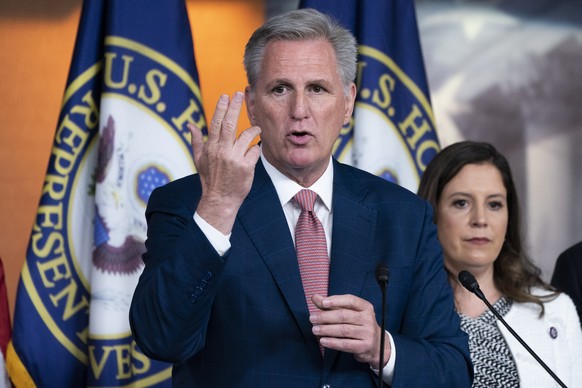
x: 470, y: 283
x: 382, y: 276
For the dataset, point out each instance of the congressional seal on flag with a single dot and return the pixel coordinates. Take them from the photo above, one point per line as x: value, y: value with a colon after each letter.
x: 395, y: 137
x: 121, y: 133
x: 143, y: 144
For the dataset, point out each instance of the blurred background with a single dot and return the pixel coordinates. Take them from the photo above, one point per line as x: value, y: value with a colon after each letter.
x: 504, y: 71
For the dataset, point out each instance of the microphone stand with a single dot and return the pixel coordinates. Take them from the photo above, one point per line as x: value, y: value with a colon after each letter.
x: 382, y: 337
x: 470, y: 283
x: 382, y: 276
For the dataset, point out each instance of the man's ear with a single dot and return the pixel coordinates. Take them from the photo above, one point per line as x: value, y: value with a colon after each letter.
x: 250, y: 103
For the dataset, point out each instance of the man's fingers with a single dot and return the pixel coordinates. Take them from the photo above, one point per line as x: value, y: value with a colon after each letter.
x: 230, y: 119
x: 225, y: 118
x: 197, y: 139
x: 215, y: 126
x: 341, y: 330
x: 253, y: 154
x: 245, y: 139
x: 347, y: 301
x: 337, y: 316
x: 222, y: 128
x: 243, y: 145
x: 317, y: 301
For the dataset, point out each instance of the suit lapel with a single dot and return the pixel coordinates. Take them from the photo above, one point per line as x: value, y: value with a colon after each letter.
x: 262, y: 216
x: 352, y: 239
x: 352, y: 235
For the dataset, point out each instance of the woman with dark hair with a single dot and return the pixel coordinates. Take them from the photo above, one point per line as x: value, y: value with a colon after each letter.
x: 471, y: 188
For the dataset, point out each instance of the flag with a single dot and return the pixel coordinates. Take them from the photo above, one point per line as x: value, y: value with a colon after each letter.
x: 392, y: 133
x: 5, y: 327
x: 131, y: 89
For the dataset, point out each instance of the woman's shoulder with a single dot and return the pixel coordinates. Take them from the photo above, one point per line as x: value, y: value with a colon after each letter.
x: 562, y: 301
x: 547, y: 293
x: 554, y: 302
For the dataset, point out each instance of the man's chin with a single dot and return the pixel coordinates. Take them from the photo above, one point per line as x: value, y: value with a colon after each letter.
x: 301, y: 159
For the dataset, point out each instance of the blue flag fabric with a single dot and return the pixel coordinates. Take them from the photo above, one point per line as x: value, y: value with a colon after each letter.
x: 132, y: 87
x: 392, y: 133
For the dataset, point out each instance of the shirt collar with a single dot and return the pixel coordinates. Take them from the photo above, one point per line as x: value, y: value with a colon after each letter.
x: 286, y: 188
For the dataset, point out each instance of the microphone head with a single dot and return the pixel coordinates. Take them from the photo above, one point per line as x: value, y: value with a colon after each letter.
x: 468, y: 281
x: 382, y: 273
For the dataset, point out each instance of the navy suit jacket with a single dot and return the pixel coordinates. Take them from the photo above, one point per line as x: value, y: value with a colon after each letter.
x: 241, y: 320
x: 567, y: 276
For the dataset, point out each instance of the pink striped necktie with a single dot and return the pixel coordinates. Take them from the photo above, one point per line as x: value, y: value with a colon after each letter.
x: 311, y: 248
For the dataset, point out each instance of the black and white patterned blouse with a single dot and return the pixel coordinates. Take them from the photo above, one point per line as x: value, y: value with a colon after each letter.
x: 493, y: 363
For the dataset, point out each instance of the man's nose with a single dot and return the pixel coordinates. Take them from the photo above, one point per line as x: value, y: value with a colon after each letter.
x: 299, y: 106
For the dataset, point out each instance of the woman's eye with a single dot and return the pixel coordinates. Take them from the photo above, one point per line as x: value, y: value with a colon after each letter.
x: 460, y: 203
x: 496, y: 205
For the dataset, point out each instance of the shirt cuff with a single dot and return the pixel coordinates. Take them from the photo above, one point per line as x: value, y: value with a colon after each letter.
x: 219, y: 241
x: 388, y: 371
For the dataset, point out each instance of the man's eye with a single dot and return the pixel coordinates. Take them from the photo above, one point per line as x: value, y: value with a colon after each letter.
x: 317, y: 89
x: 279, y: 89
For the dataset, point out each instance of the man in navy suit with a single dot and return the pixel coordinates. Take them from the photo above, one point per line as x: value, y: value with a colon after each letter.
x: 221, y: 295
x: 567, y: 276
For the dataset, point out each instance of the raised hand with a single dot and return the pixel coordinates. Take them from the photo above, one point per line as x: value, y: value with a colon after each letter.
x: 226, y: 164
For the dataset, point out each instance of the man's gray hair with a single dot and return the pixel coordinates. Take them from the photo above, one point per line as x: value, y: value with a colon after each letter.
x: 303, y: 24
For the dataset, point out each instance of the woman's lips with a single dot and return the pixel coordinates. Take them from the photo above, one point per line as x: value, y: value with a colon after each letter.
x: 478, y: 240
